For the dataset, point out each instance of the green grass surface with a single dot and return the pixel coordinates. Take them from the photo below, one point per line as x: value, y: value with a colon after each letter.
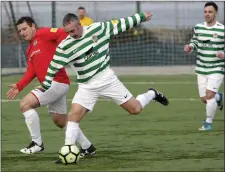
x: 159, y: 139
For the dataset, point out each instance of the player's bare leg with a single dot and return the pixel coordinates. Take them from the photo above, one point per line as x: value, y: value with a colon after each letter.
x: 135, y: 106
x: 203, y: 99
x: 27, y: 106
x: 219, y: 100
x: 211, y: 107
x: 59, y: 120
x: 73, y: 131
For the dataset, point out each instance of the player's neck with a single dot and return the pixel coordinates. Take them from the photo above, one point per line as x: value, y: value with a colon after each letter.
x: 33, y: 35
x: 211, y: 23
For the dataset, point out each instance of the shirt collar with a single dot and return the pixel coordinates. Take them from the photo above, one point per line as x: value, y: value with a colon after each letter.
x: 205, y: 24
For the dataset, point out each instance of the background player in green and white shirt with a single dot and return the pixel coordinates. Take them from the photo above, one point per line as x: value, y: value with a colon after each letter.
x: 87, y: 50
x: 208, y: 41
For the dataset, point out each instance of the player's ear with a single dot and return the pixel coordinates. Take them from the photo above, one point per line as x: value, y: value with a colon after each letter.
x: 33, y: 26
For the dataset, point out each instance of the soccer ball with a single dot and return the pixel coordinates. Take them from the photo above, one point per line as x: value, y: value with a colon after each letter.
x: 69, y: 154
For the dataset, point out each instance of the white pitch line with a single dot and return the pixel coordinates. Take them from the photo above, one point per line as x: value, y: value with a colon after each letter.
x: 164, y: 83
x: 106, y: 100
x: 135, y: 83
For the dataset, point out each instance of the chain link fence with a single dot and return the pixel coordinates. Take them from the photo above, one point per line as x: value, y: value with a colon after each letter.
x: 159, y: 42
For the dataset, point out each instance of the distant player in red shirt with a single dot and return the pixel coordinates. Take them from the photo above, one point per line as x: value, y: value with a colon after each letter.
x: 43, y: 43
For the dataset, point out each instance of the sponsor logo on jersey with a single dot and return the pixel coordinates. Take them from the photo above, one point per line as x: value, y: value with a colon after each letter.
x: 34, y: 53
x: 90, y: 53
x: 53, y: 30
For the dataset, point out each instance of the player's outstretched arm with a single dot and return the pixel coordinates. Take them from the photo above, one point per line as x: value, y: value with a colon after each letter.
x: 115, y: 27
x: 59, y: 60
x: 24, y: 81
x: 13, y: 92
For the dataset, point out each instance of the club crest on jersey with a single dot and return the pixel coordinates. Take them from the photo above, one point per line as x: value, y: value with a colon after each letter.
x: 35, y: 43
x: 114, y: 21
x: 94, y: 38
x: 215, y: 35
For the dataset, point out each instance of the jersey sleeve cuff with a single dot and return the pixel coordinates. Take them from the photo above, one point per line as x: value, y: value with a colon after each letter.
x: 143, y: 18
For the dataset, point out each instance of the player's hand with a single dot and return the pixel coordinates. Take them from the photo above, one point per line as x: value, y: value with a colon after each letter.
x: 40, y: 88
x: 13, y: 92
x: 220, y: 54
x: 188, y: 49
x: 148, y: 16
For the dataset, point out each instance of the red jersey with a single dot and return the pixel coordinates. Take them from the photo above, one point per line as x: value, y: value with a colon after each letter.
x: 39, y: 55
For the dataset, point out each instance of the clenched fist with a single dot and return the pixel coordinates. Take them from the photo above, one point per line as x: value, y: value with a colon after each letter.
x: 188, y: 48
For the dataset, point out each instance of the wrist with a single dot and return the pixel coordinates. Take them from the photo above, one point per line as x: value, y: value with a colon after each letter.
x: 18, y: 87
x: 192, y: 46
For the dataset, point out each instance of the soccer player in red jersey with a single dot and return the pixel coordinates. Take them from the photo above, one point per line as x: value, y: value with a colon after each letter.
x: 43, y: 43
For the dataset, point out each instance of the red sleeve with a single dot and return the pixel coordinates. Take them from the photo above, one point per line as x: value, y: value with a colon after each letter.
x: 54, y: 34
x: 27, y: 78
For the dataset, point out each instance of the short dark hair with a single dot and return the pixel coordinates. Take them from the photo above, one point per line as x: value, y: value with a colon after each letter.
x: 211, y: 3
x: 27, y: 19
x: 81, y: 8
x: 69, y: 17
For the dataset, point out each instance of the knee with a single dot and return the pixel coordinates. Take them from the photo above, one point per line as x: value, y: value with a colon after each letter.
x: 210, y: 95
x: 135, y: 110
x: 24, y: 106
x: 203, y: 100
x: 60, y: 121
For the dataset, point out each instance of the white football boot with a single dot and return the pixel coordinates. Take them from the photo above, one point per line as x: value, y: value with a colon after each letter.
x: 32, y: 148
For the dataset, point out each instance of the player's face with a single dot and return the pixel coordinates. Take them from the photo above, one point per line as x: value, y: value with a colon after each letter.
x: 74, y: 29
x: 210, y: 14
x: 26, y: 31
x: 81, y: 13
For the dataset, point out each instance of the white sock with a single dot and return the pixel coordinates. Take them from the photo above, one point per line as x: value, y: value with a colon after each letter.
x: 83, y: 141
x: 217, y: 97
x: 145, y: 98
x: 72, y: 132
x: 33, y: 125
x: 211, y: 107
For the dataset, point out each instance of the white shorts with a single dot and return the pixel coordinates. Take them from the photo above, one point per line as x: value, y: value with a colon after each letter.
x: 54, y: 97
x: 210, y: 82
x: 105, y: 85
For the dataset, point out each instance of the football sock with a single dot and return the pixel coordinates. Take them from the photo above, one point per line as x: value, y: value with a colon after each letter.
x: 217, y: 96
x: 33, y: 125
x: 82, y: 140
x: 211, y: 107
x: 145, y: 98
x: 72, y: 132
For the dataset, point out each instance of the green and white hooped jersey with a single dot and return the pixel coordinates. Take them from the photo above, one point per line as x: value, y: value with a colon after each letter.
x: 208, y: 41
x: 89, y: 54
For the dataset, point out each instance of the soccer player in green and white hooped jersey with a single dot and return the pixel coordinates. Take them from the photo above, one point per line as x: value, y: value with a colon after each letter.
x: 208, y: 41
x: 86, y: 49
